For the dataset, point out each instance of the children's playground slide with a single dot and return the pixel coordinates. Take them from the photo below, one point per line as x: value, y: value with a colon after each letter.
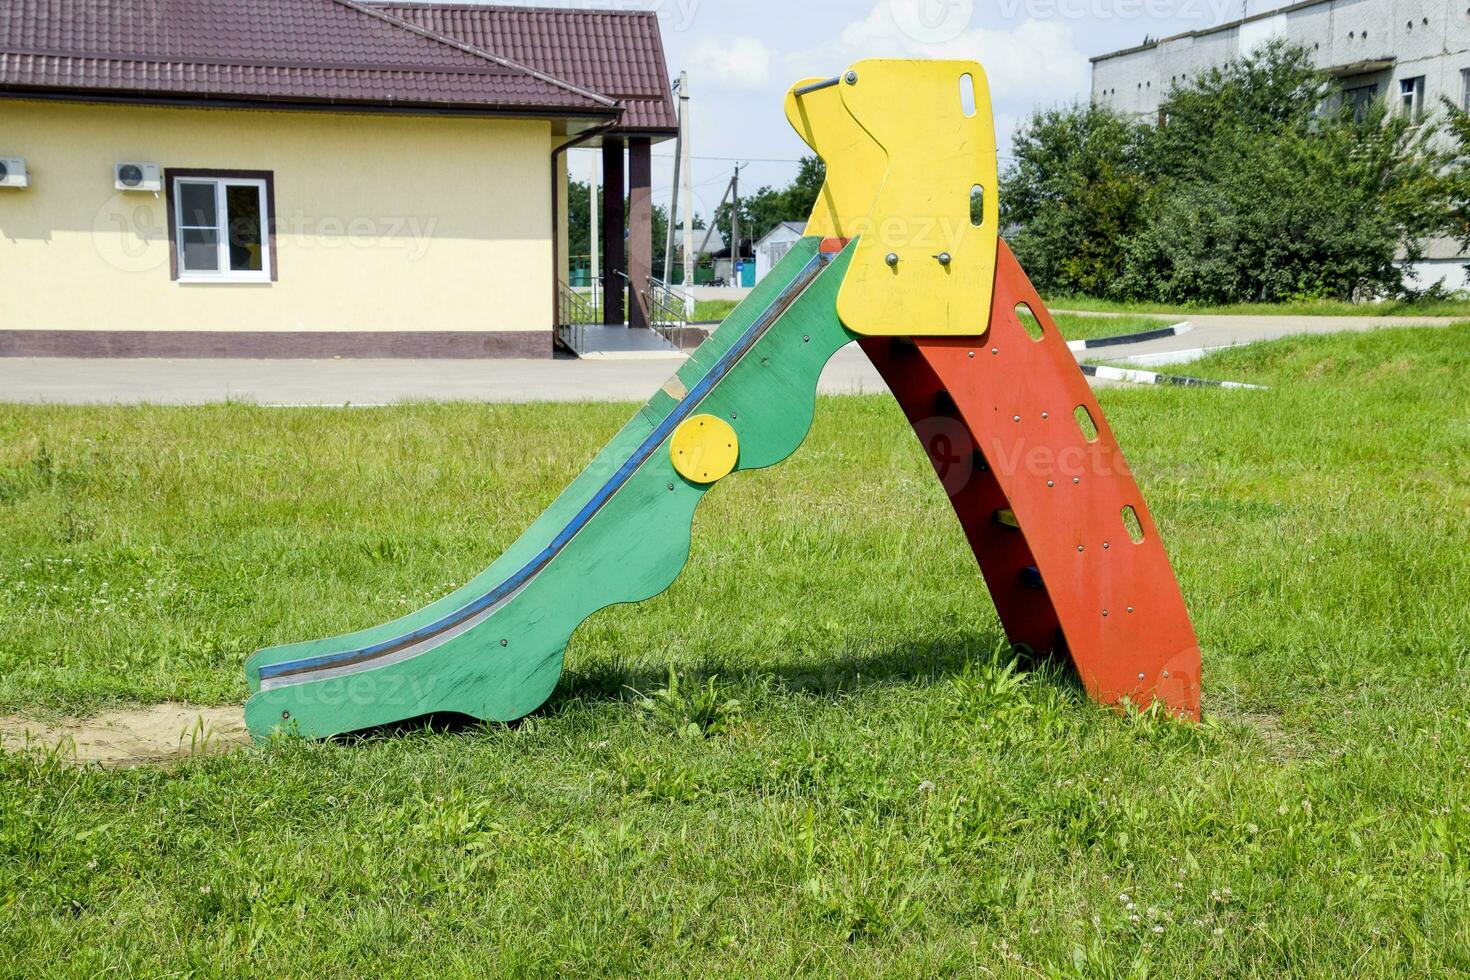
x: 903, y: 256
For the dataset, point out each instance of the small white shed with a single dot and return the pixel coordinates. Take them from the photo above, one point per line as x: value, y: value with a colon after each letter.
x: 774, y: 244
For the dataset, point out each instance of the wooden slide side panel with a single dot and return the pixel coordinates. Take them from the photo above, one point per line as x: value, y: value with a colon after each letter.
x: 998, y: 417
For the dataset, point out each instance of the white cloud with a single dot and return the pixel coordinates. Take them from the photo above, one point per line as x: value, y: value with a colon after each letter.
x: 1034, y: 60
x: 732, y: 62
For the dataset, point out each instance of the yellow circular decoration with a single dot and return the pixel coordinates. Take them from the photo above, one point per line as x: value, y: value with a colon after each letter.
x: 704, y: 448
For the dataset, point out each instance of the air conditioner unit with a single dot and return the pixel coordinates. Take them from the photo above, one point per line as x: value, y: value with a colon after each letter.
x: 137, y: 177
x: 13, y: 172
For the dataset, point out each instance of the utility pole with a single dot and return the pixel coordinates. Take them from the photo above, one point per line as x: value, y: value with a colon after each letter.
x: 688, y: 196
x: 674, y: 193
x: 735, y: 224
x: 592, y: 229
x: 714, y: 224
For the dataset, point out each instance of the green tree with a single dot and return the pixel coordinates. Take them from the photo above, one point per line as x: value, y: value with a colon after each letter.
x: 1073, y: 194
x: 1264, y: 188
x: 1236, y: 108
x: 579, y: 219
x: 1457, y: 178
x: 1334, y: 213
x: 801, y: 195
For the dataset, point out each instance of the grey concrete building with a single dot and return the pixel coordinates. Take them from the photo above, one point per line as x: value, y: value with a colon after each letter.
x: 1411, y: 52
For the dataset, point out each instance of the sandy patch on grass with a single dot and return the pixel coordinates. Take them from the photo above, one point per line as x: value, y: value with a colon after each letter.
x: 156, y: 733
x: 1281, y: 743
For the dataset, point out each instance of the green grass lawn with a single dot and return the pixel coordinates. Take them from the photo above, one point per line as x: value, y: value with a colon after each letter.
x: 713, y: 310
x: 877, y: 791
x: 1325, y: 307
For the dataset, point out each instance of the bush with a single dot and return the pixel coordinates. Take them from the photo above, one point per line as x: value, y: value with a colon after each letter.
x: 1075, y: 190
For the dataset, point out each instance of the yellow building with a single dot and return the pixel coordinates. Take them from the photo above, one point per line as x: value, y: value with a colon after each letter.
x: 308, y: 178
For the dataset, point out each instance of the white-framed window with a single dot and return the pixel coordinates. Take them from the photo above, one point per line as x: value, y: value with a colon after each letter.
x: 222, y: 226
x: 1465, y: 89
x: 1411, y: 95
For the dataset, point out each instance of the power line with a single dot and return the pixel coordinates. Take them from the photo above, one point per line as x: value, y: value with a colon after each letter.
x: 662, y: 156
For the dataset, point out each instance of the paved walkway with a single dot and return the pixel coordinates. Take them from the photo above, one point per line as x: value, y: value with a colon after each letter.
x: 378, y: 382
x: 1215, y: 331
x: 615, y: 343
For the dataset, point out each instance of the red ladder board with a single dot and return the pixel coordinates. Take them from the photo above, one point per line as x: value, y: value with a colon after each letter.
x: 1044, y: 506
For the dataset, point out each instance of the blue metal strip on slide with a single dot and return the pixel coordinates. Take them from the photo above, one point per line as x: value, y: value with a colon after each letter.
x: 680, y: 412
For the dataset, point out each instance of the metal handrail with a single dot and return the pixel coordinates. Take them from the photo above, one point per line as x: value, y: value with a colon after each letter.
x: 573, y: 313
x: 666, y: 308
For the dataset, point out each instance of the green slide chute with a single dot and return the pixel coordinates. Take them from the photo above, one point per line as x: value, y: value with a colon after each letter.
x: 620, y: 532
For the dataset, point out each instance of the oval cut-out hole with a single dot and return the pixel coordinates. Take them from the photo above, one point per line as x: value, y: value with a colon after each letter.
x: 967, y: 94
x: 1131, y: 523
x: 1028, y: 320
x: 977, y: 205
x: 1085, y: 423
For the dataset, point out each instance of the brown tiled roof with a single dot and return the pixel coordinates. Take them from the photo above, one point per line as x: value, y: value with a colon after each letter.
x: 324, y: 52
x: 616, y: 53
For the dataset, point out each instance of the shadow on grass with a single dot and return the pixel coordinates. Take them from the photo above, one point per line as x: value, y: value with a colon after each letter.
x: 438, y: 723
x: 848, y: 671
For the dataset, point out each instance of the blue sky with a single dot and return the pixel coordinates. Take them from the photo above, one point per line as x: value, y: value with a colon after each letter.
x: 741, y: 58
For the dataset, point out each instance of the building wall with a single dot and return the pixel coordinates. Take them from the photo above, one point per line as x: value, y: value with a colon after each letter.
x: 1340, y: 33
x: 385, y: 224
